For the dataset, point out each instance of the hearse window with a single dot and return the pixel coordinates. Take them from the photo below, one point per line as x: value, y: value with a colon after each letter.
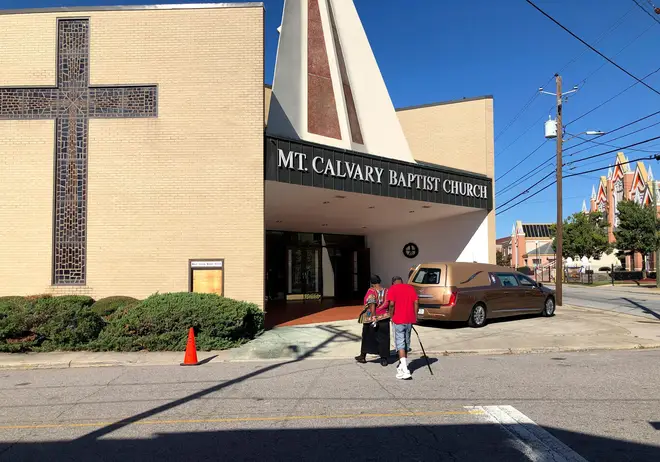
x: 427, y: 276
x: 525, y: 281
x: 507, y: 280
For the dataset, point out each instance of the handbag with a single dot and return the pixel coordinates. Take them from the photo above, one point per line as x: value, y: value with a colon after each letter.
x: 365, y: 315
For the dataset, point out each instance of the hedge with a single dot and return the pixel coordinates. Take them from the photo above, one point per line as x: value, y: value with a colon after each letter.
x: 161, y: 322
x: 107, y: 306
x: 47, y: 323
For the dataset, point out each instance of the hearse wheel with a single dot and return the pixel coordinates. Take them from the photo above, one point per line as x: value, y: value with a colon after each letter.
x: 478, y: 316
x: 549, y: 307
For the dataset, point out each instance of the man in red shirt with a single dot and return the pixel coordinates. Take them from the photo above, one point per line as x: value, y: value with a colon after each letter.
x: 404, y: 302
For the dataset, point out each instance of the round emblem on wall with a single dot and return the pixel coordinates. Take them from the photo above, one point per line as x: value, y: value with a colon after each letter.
x: 410, y: 250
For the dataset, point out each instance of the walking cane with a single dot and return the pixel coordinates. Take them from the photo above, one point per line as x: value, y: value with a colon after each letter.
x: 428, y: 363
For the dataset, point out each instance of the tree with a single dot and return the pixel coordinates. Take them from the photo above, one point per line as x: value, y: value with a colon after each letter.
x: 501, y: 261
x: 637, y: 231
x: 584, y: 235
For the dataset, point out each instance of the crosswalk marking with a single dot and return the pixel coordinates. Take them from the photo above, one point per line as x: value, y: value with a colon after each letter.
x: 528, y: 437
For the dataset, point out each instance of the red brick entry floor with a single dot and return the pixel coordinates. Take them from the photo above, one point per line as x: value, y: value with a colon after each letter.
x: 280, y: 313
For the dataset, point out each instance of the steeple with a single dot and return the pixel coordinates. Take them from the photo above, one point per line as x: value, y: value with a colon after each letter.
x: 327, y: 86
x: 584, y: 207
x: 593, y: 192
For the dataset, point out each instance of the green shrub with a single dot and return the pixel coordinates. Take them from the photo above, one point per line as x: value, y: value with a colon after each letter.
x: 161, y: 322
x: 48, y: 323
x: 525, y: 270
x: 107, y: 306
x: 13, y: 322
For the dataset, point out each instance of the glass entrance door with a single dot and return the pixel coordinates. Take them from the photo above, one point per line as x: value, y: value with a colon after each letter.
x: 304, y: 273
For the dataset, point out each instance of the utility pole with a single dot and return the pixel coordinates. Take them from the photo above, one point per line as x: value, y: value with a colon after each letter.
x: 657, y: 249
x: 559, y: 261
x: 555, y: 129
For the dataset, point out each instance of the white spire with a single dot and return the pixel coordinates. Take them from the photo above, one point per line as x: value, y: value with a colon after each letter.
x: 593, y: 192
x: 584, y: 207
x: 609, y: 173
x: 327, y: 86
x: 650, y: 173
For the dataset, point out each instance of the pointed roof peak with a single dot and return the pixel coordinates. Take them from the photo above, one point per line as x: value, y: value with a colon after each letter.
x: 344, y: 102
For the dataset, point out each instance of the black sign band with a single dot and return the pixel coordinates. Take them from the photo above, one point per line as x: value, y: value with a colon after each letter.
x: 308, y: 164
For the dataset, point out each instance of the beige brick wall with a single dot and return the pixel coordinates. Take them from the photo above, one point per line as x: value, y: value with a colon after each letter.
x: 187, y: 184
x: 456, y: 135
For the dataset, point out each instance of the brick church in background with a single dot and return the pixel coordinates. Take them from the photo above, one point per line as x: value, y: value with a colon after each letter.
x: 623, y: 183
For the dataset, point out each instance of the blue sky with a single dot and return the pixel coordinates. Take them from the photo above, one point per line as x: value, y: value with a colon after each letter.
x: 436, y: 50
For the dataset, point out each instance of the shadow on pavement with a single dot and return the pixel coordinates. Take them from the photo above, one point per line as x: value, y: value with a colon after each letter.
x: 419, y: 363
x: 466, y: 443
x: 452, y: 325
x: 642, y: 307
x: 337, y: 334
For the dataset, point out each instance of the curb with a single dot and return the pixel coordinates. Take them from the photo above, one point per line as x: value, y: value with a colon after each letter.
x: 445, y: 353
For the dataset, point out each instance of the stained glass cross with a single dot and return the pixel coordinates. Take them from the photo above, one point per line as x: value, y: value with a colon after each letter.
x: 72, y: 102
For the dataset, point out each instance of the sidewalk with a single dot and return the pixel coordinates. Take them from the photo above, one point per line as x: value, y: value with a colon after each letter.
x: 572, y: 329
x: 644, y: 289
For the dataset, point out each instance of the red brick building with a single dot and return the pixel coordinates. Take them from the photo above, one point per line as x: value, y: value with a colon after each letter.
x: 624, y: 181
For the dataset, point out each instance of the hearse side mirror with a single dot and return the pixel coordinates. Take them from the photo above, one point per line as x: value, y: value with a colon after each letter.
x: 540, y: 284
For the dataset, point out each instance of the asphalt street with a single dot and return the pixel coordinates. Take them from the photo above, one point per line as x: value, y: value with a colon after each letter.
x: 619, y: 299
x: 584, y: 406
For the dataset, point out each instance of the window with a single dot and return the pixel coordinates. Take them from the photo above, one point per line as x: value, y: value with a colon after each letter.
x: 507, y: 280
x: 427, y: 276
x: 536, y: 261
x: 525, y: 281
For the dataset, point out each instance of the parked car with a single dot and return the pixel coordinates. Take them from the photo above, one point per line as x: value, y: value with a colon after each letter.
x: 476, y: 292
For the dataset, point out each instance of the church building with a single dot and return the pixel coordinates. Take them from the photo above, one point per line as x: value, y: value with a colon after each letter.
x: 141, y: 152
x: 624, y: 181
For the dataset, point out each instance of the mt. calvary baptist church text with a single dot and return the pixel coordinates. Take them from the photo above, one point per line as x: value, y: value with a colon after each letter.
x: 344, y: 169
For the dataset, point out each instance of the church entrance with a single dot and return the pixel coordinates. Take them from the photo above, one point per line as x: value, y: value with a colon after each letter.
x: 308, y: 273
x: 313, y: 266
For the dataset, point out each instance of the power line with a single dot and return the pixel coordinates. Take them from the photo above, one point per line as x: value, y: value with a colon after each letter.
x: 524, y: 108
x: 534, y: 124
x: 614, y: 130
x: 646, y: 11
x: 656, y: 157
x: 612, y: 98
x: 527, y: 190
x: 531, y: 173
x: 610, y: 145
x: 579, y: 160
x: 611, y: 151
x: 584, y: 81
x: 610, y: 29
x: 527, y: 175
x: 527, y: 198
x: 592, y: 48
x: 613, y: 139
x: 521, y: 161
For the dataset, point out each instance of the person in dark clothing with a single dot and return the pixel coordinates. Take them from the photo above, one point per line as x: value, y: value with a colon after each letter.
x: 375, y: 324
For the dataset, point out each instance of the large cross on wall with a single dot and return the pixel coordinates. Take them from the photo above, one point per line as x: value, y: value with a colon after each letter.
x: 72, y: 102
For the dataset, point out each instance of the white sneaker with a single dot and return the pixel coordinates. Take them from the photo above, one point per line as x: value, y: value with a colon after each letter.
x: 403, y: 374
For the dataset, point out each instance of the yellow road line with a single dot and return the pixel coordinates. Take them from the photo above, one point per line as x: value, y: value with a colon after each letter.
x: 243, y: 419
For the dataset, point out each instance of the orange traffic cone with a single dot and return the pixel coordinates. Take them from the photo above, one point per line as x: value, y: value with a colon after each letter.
x: 190, y: 359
